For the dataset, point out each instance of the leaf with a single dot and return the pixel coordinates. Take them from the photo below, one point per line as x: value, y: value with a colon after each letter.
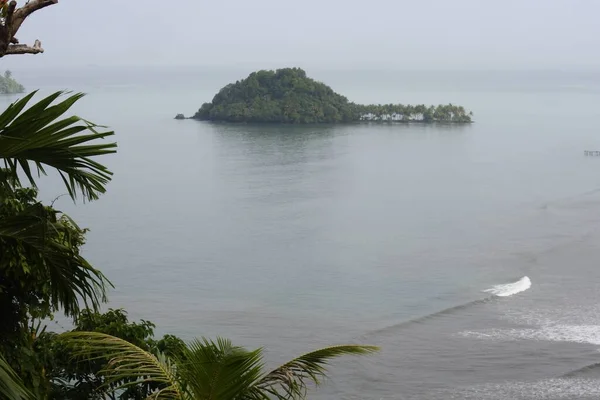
x: 207, y: 370
x: 11, y: 386
x: 125, y: 362
x: 72, y: 277
x: 14, y: 109
x: 38, y: 135
x: 289, y: 381
x: 219, y: 370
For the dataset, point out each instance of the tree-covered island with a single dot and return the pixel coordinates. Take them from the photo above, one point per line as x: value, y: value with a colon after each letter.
x: 288, y: 96
x: 8, y: 85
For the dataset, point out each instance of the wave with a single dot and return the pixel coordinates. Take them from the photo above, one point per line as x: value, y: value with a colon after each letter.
x: 582, y: 370
x: 430, y: 316
x: 561, y: 388
x: 587, y: 334
x: 508, y: 289
x: 503, y: 290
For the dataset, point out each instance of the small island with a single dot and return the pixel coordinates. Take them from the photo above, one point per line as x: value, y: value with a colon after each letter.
x: 8, y: 85
x: 288, y: 96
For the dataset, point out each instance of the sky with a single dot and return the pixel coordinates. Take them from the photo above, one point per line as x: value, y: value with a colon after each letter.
x: 336, y: 34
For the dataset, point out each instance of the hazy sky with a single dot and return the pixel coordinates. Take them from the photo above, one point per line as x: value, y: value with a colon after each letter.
x: 414, y: 34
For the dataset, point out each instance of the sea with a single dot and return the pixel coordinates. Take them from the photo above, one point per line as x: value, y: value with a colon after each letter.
x: 469, y: 253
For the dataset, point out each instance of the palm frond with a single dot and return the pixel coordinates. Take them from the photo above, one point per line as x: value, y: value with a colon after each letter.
x: 289, y: 381
x: 11, y: 386
x: 38, y: 136
x: 72, y: 277
x: 218, y: 370
x: 125, y: 363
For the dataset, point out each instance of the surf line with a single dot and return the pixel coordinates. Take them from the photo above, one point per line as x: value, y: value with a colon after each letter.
x: 581, y: 370
x: 497, y: 291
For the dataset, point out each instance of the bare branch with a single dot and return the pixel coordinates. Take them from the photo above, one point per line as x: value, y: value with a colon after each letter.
x: 10, y: 12
x: 9, y: 44
x: 25, y: 11
x: 25, y: 49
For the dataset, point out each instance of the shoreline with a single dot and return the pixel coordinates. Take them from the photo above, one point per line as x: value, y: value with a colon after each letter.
x: 378, y: 122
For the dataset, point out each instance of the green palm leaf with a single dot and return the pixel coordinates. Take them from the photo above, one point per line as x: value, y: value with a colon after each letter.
x: 289, y: 381
x: 38, y: 136
x: 207, y: 370
x: 127, y: 364
x: 218, y: 370
x: 71, y: 275
x: 11, y: 386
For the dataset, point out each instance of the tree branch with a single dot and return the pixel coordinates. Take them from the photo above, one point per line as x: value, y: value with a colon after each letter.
x: 25, y: 49
x: 25, y: 11
x: 9, y: 44
x: 10, y: 12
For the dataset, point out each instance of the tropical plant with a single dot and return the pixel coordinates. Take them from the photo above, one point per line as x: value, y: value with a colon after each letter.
x: 206, y: 369
x: 78, y: 378
x: 41, y: 268
x: 11, y: 386
x: 38, y: 241
x: 37, y: 238
x: 38, y: 136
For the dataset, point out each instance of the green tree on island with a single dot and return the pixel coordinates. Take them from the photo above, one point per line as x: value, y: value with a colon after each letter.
x: 8, y: 85
x: 42, y: 273
x: 287, y: 95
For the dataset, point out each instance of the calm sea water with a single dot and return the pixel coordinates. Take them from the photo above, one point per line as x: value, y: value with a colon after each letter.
x: 297, y: 237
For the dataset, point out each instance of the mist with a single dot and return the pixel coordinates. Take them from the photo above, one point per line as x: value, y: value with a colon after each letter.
x: 380, y: 34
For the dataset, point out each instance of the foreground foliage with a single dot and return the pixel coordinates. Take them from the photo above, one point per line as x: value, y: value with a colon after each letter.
x: 205, y: 369
x: 289, y: 96
x: 77, y: 377
x: 41, y: 268
x: 11, y: 386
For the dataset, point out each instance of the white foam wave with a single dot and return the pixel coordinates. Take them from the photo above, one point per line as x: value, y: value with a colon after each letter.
x: 546, y: 389
x: 508, y: 289
x: 555, y: 333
